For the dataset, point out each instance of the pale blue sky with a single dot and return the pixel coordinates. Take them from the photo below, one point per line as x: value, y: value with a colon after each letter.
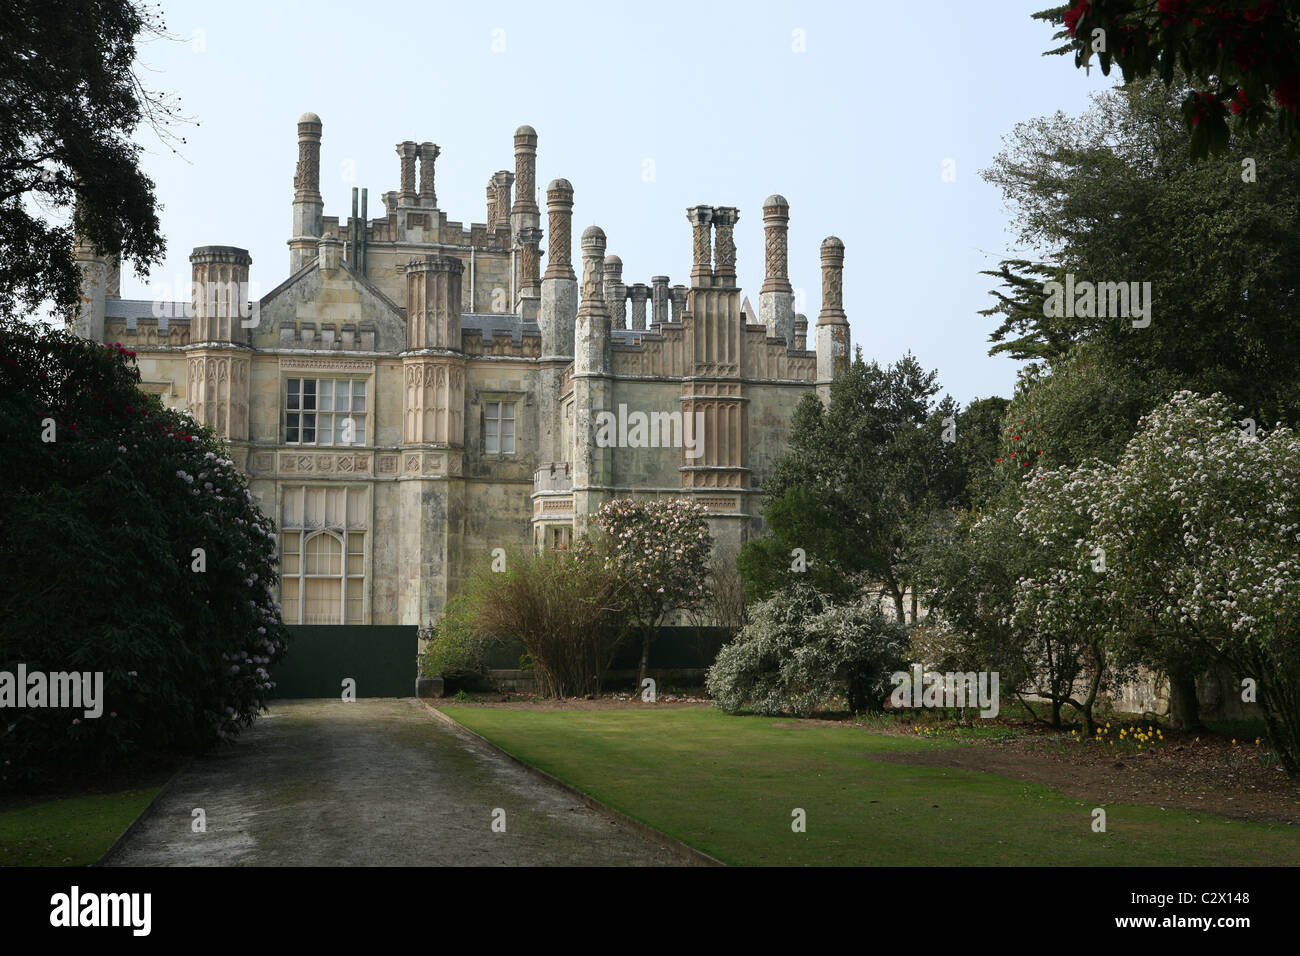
x: 853, y: 131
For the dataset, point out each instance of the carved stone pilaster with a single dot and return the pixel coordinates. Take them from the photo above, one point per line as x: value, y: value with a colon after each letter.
x: 217, y: 389
x: 434, y: 401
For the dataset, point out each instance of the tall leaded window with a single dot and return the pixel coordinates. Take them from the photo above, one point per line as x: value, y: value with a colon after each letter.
x: 499, y: 428
x: 325, y: 411
x: 323, y: 554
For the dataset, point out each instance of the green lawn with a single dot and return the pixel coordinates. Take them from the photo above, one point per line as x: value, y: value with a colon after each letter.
x: 72, y: 832
x: 728, y: 786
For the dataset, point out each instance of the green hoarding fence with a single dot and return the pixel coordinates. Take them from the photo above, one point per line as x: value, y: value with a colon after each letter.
x: 380, y: 659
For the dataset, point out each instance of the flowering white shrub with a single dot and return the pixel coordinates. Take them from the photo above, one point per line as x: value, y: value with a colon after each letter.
x: 799, y: 653
x: 1188, y: 550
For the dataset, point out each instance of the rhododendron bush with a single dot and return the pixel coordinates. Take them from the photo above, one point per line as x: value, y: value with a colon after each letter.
x: 1245, y: 55
x: 109, y: 506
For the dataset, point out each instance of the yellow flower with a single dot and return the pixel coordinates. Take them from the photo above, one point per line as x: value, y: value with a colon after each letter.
x: 1234, y: 741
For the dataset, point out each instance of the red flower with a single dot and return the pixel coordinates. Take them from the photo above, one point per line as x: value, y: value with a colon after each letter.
x: 1075, y: 14
x: 1256, y: 14
x: 1287, y: 92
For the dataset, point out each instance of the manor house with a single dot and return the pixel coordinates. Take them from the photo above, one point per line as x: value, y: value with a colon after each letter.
x: 417, y: 393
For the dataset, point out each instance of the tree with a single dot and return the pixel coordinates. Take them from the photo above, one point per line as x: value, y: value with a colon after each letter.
x: 867, y: 464
x: 1112, y: 197
x: 1063, y: 605
x: 1199, y: 531
x: 130, y: 545
x: 1241, y: 52
x: 661, y: 549
x: 567, y: 607
x: 799, y: 652
x: 70, y: 100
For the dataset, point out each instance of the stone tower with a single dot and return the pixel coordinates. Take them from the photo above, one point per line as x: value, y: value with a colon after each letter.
x: 433, y: 435
x: 218, y: 361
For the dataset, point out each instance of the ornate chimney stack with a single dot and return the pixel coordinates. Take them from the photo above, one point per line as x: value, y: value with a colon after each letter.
x: 407, y: 151
x: 724, y: 251
x: 592, y: 464
x: 559, y: 283
x: 428, y: 156
x: 776, y: 297
x: 530, y: 283
x: 638, y: 292
x: 308, y: 206
x: 525, y: 214
x: 801, y: 333
x: 832, y: 323
x: 615, y: 292
x: 592, y: 339
x: 499, y: 206
x: 701, y: 220
x: 659, y: 300
x: 677, y: 295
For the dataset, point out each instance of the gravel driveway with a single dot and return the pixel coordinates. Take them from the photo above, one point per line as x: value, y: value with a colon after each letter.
x: 372, y: 783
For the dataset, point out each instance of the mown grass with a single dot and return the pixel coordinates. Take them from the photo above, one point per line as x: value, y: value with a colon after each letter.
x: 729, y: 786
x: 71, y: 832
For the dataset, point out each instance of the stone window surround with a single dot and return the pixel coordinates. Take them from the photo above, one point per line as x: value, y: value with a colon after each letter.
x: 320, y: 375
x: 482, y: 398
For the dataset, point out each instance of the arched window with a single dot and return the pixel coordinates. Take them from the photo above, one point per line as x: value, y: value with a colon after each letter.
x: 323, y: 555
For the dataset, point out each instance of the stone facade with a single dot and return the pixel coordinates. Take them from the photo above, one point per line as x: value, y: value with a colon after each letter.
x: 417, y: 392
